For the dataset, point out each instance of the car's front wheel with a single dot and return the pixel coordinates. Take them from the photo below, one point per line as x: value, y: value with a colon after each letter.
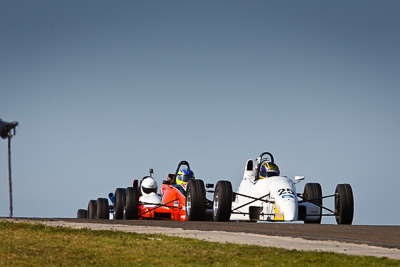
x: 222, y: 204
x: 195, y: 200
x: 313, y: 194
x: 131, y: 204
x: 344, y: 204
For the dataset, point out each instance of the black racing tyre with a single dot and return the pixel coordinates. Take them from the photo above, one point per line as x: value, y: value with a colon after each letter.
x: 99, y: 209
x: 344, y: 204
x: 102, y: 209
x: 222, y: 205
x: 195, y: 200
x: 106, y: 209
x: 82, y: 214
x: 119, y: 203
x: 254, y: 213
x: 131, y: 209
x: 92, y: 209
x: 313, y: 193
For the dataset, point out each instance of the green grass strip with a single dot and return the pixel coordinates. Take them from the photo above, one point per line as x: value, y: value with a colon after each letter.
x: 26, y: 244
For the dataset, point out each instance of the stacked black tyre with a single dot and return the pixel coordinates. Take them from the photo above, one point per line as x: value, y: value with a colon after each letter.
x: 82, y: 214
x: 102, y: 209
x: 195, y: 200
x: 97, y: 209
x: 119, y: 203
x: 222, y: 204
x: 92, y: 209
x: 344, y: 204
x: 313, y: 194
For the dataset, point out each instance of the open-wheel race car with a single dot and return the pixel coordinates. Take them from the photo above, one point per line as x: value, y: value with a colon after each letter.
x: 265, y: 195
x: 139, y: 201
x: 182, y: 198
x: 186, y: 195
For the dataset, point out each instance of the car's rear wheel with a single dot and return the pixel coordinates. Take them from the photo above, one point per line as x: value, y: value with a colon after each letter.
x: 92, y: 209
x: 344, y: 204
x: 222, y: 204
x: 82, y: 214
x: 313, y: 194
x: 119, y: 203
x: 195, y: 200
x: 132, y: 203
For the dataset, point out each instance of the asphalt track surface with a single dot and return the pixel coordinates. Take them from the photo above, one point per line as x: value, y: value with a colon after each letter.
x: 380, y: 236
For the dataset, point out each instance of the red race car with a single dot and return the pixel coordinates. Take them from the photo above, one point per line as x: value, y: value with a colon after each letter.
x: 186, y: 194
x: 182, y: 198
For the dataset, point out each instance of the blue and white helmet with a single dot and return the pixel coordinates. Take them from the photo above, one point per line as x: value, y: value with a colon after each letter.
x: 184, y: 176
x: 269, y: 169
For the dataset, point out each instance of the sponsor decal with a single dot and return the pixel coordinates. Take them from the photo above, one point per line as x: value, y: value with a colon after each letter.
x: 287, y: 196
x: 176, y: 204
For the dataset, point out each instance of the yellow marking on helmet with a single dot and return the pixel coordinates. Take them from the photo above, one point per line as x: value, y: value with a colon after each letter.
x: 271, y: 166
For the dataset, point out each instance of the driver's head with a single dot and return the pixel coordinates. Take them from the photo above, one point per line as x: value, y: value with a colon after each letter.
x: 184, y: 176
x: 269, y: 169
x: 148, y: 185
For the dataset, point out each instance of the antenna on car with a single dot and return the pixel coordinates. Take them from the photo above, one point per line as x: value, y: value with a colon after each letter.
x: 151, y: 172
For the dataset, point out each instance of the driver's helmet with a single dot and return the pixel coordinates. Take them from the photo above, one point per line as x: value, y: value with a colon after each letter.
x: 148, y: 185
x: 184, y: 176
x: 269, y: 169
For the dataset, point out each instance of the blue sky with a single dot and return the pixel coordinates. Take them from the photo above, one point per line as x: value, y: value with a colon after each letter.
x: 104, y: 91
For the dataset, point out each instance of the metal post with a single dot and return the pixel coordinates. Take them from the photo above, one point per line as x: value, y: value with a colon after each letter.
x: 5, y: 132
x: 9, y: 175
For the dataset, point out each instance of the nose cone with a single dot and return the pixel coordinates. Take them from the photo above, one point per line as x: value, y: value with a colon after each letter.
x: 288, y: 207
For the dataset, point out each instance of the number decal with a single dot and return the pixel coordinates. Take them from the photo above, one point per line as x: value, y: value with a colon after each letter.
x: 281, y: 191
x: 285, y: 191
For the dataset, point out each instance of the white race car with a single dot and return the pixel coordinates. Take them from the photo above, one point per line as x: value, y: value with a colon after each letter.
x: 265, y: 195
